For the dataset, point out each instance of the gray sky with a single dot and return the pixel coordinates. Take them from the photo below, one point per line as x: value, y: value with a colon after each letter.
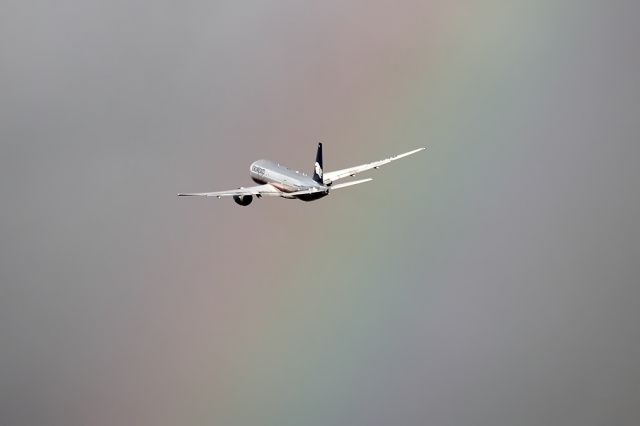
x: 494, y: 280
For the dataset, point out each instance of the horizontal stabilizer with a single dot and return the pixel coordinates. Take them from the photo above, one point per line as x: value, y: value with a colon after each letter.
x: 346, y: 184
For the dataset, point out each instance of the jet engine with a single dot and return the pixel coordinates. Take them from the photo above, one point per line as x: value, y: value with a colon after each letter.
x: 243, y: 200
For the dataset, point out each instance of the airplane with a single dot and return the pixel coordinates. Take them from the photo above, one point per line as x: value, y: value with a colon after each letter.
x: 276, y: 180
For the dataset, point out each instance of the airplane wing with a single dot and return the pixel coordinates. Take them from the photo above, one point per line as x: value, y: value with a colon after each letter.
x: 352, y: 171
x: 262, y: 190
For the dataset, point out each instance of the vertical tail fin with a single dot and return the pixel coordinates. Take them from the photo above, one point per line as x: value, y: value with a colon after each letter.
x: 317, y: 175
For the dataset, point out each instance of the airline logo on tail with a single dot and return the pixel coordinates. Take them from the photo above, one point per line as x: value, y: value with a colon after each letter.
x: 317, y: 176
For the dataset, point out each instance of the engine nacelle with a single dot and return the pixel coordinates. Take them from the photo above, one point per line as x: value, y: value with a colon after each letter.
x: 243, y: 200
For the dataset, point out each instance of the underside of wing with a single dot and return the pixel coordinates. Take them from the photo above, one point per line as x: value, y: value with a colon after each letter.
x: 352, y: 171
x: 260, y: 191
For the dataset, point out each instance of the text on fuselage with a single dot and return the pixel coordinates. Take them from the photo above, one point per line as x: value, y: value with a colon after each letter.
x: 258, y: 170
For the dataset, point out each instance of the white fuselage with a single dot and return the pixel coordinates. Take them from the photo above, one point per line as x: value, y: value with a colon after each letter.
x: 286, y: 180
